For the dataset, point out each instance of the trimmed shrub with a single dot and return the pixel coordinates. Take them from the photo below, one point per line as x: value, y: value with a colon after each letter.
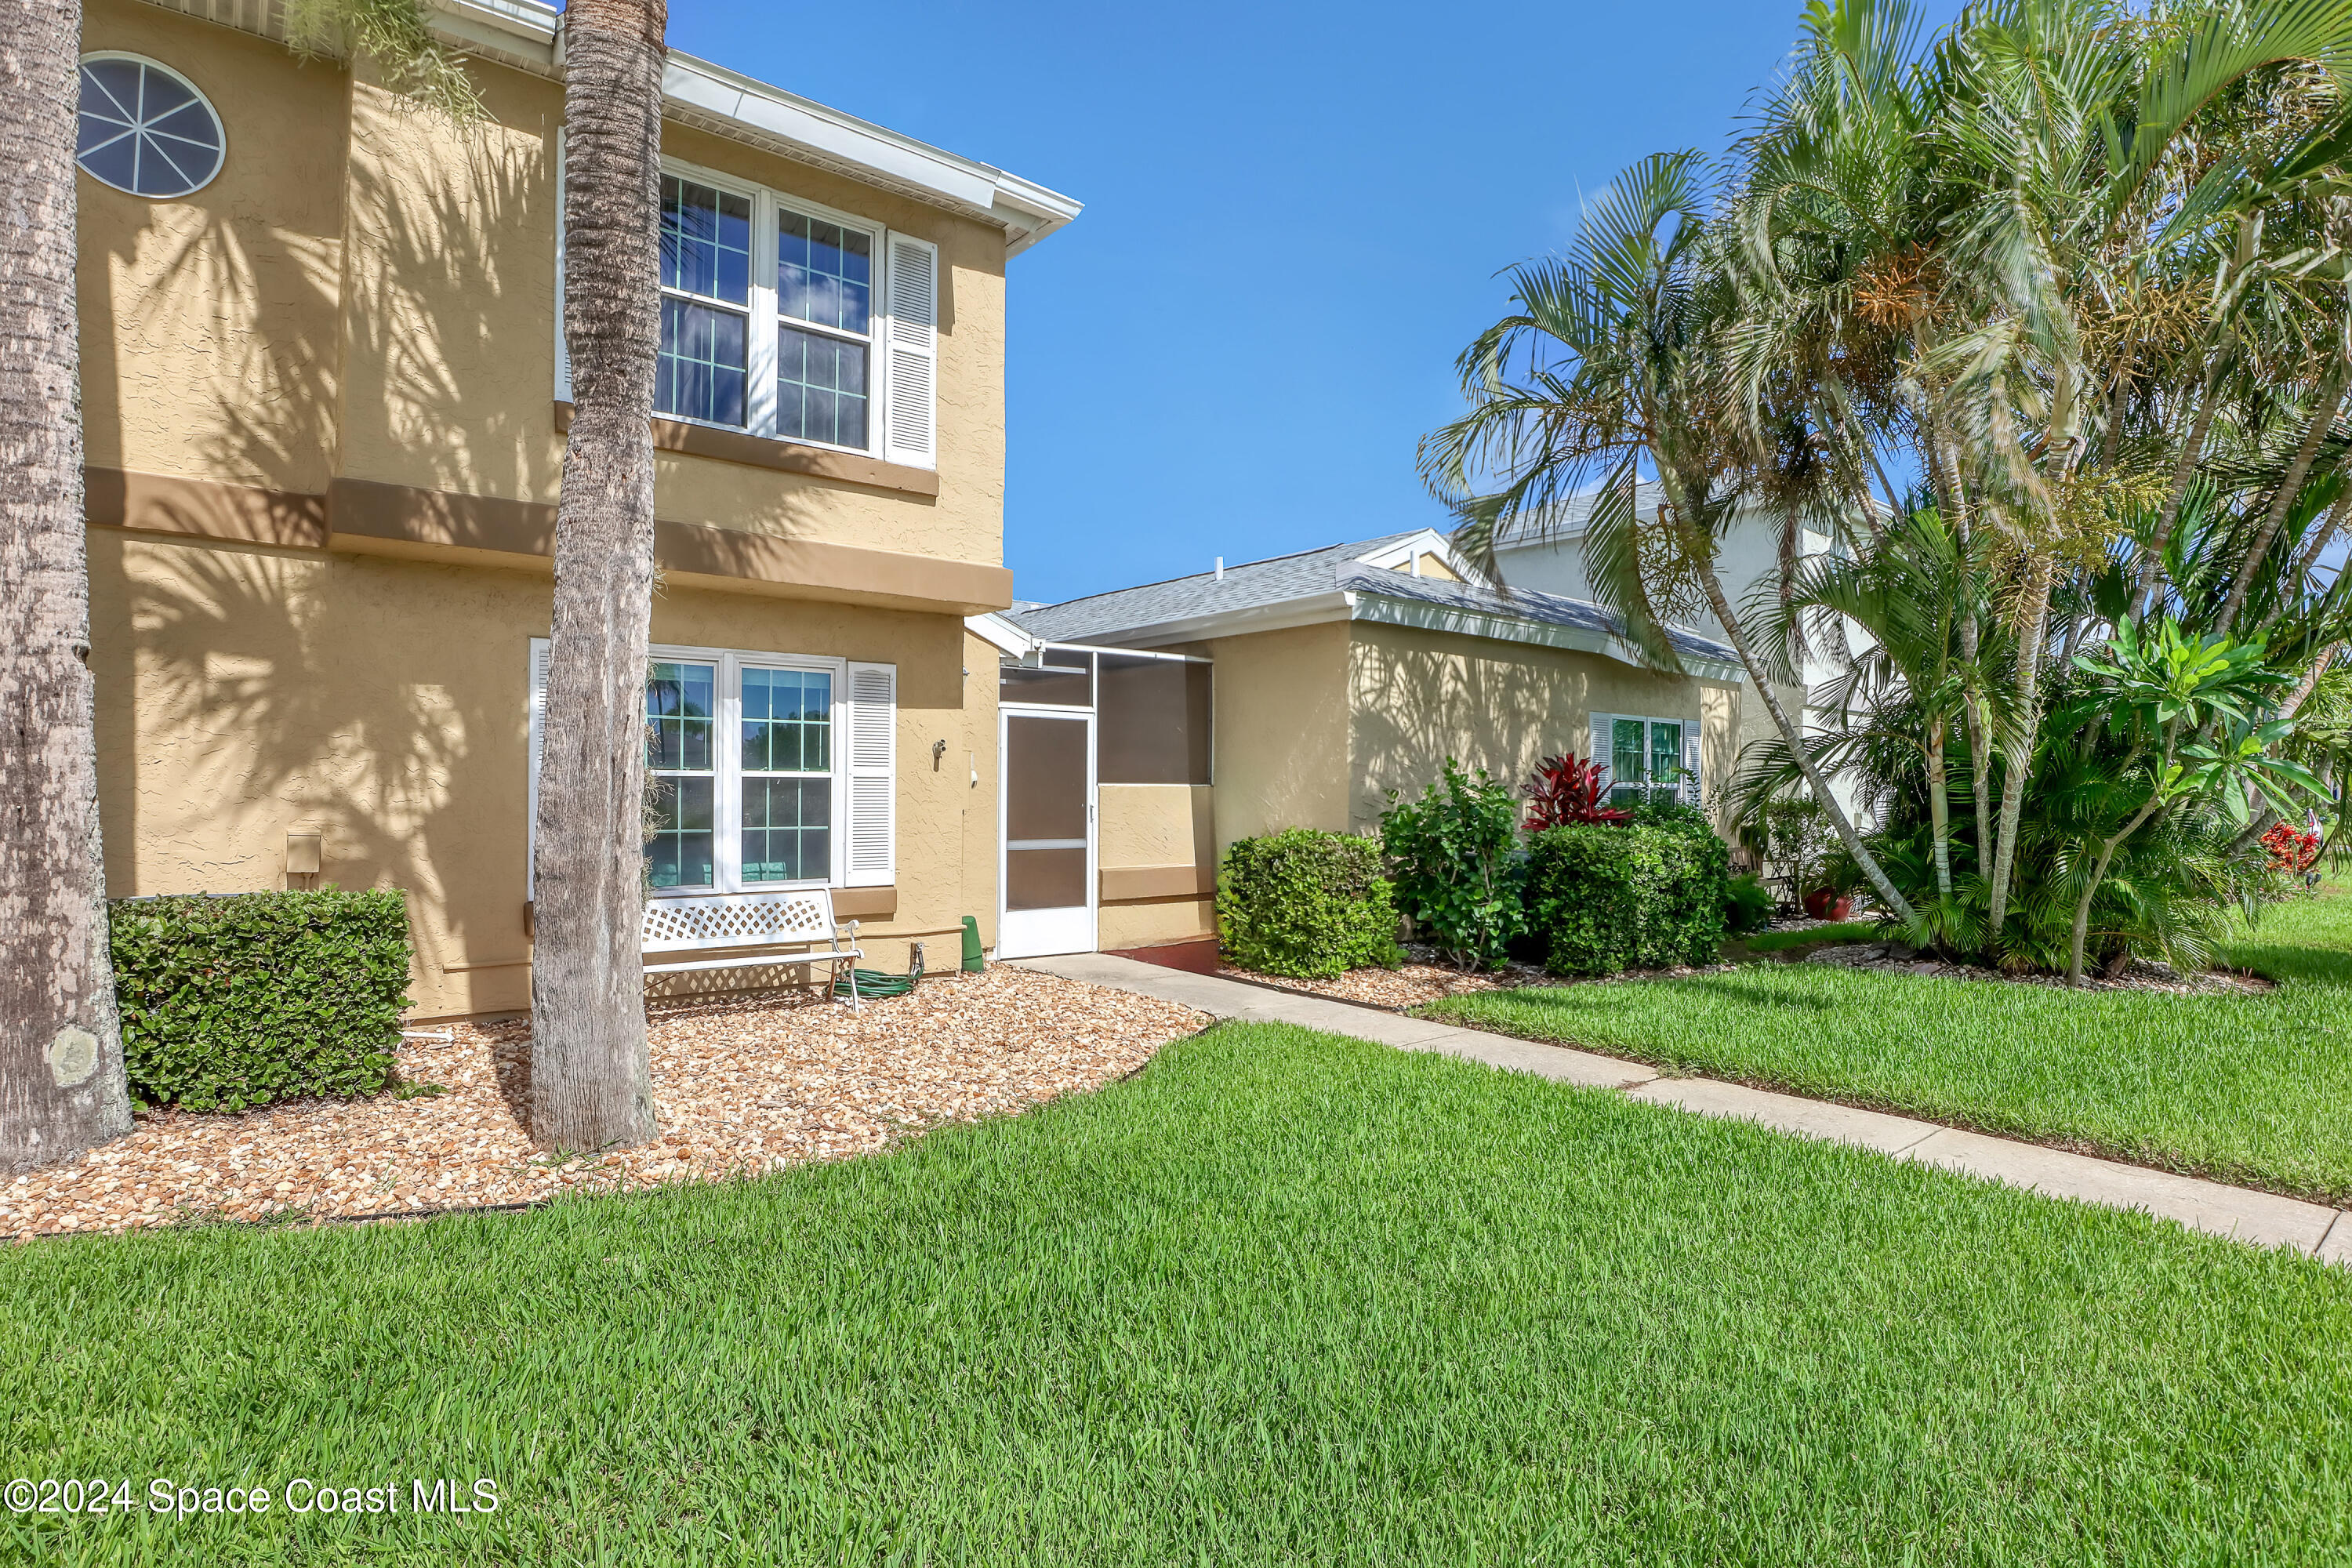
x: 256, y: 997
x: 1649, y: 895
x: 1306, y: 904
x: 1455, y: 854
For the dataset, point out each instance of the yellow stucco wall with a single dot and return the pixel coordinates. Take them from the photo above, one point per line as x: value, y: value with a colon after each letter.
x: 364, y: 292
x: 247, y: 692
x: 1280, y: 756
x: 209, y: 325
x: 1159, y: 826
x: 1417, y: 697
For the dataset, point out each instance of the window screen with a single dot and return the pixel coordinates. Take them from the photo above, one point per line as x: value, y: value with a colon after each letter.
x: 1152, y: 721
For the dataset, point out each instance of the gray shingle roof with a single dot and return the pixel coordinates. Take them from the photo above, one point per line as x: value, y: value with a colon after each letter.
x: 1245, y: 587
x: 1336, y: 568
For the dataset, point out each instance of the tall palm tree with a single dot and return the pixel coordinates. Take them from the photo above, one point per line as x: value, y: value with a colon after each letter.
x: 62, y: 1085
x: 592, y: 1078
x: 61, y: 1080
x: 1607, y: 367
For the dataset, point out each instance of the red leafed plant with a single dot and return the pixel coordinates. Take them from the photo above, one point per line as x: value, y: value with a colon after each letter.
x: 2291, y: 848
x: 1566, y: 789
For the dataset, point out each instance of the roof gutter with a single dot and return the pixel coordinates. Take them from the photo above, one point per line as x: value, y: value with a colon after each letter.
x: 528, y: 35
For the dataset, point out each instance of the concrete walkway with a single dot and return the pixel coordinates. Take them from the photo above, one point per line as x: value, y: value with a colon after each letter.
x: 2264, y: 1219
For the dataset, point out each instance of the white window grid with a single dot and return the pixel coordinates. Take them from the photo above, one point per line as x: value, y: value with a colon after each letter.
x: 1682, y: 788
x: 760, y: 393
x: 726, y: 758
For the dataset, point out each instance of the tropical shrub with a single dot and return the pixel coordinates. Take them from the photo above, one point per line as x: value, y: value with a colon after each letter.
x: 1747, y: 905
x: 1648, y: 895
x: 1565, y: 789
x: 1305, y: 903
x: 2291, y: 849
x: 1455, y: 854
x: 256, y: 997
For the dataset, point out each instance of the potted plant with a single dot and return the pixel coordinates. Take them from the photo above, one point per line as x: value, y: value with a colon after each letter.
x: 1829, y: 904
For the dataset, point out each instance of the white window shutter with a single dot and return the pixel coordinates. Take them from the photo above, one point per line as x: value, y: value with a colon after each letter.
x: 539, y: 649
x: 1603, y: 739
x: 873, y: 751
x: 1690, y: 764
x: 911, y: 353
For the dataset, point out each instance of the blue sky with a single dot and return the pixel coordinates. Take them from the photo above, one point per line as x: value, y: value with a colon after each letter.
x: 1294, y: 214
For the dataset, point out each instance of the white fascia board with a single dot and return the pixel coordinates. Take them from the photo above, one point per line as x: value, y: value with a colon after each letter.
x: 526, y: 32
x: 1426, y: 616
x: 1006, y: 637
x: 1315, y: 610
x: 1399, y: 557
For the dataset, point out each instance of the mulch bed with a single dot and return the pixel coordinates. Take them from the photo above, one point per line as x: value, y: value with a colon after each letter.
x: 742, y: 1084
x: 1895, y: 958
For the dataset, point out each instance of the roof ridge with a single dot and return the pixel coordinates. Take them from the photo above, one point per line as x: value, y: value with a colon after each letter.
x: 1242, y: 565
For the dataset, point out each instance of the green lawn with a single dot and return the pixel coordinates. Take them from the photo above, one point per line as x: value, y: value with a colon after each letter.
x: 2256, y: 1090
x: 1780, y: 941
x: 1281, y: 1298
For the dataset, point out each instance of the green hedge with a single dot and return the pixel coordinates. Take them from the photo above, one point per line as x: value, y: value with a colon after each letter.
x: 255, y: 997
x: 1648, y: 895
x: 1306, y: 904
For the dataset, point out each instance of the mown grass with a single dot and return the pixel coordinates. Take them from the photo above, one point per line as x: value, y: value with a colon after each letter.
x: 1283, y: 1298
x: 2249, y: 1089
x: 1782, y: 940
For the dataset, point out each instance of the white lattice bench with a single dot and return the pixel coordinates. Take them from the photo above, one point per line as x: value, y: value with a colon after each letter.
x: 717, y: 927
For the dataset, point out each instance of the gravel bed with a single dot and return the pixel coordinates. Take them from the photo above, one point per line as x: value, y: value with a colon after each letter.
x: 741, y: 1084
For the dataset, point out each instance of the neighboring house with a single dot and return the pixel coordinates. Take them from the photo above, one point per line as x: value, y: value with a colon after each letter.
x: 324, y: 400
x: 1328, y: 681
x: 1547, y: 553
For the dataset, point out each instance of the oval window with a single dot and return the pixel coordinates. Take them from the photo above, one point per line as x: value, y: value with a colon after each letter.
x: 145, y: 128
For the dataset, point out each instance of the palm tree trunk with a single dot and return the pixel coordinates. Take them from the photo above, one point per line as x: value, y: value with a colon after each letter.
x: 2322, y: 418
x: 61, y: 1080
x: 2017, y: 759
x: 1939, y: 806
x: 592, y: 1081
x: 2176, y: 495
x: 1794, y: 737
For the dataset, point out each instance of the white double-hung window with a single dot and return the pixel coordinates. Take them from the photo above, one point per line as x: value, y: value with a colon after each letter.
x: 1647, y: 759
x: 783, y: 319
x: 766, y: 770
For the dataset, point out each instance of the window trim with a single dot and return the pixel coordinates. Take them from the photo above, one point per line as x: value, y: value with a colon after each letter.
x: 726, y: 814
x: 1682, y: 786
x: 202, y: 96
x: 759, y: 392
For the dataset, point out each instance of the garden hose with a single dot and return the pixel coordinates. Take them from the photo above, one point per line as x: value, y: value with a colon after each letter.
x: 875, y: 983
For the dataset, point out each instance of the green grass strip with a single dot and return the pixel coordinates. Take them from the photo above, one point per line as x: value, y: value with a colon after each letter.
x: 1782, y: 940
x: 2252, y: 1090
x: 1282, y: 1298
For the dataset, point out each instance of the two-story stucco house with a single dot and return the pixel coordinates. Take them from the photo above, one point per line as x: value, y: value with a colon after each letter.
x: 324, y: 398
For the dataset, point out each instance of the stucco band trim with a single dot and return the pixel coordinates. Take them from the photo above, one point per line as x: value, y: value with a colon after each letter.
x: 363, y: 510
x: 204, y: 509
x: 1123, y: 882
x: 789, y: 457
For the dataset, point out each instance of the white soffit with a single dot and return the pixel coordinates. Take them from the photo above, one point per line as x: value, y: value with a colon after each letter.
x: 524, y: 33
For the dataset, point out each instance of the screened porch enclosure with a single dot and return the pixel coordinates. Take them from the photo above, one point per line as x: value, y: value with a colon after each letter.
x: 1074, y: 719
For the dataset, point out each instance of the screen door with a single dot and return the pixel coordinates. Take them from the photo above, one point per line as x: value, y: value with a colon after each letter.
x: 1048, y: 875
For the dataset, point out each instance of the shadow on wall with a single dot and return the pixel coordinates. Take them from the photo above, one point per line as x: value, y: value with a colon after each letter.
x: 1419, y: 700
x: 270, y: 696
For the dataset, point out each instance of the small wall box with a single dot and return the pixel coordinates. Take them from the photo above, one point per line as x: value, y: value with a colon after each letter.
x: 302, y: 853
